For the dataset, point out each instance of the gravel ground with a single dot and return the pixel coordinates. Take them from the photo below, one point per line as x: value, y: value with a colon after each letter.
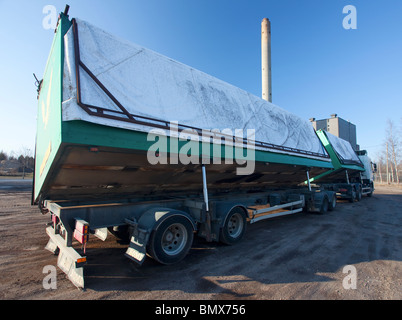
x: 301, y: 256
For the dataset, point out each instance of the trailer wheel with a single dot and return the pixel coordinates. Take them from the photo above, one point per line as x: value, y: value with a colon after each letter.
x: 172, y: 240
x: 234, y: 227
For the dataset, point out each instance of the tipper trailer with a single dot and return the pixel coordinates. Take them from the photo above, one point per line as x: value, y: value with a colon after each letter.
x: 114, y: 119
x: 352, y: 175
x: 367, y: 176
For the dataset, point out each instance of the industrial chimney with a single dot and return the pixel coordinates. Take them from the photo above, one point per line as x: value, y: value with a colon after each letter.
x: 266, y: 59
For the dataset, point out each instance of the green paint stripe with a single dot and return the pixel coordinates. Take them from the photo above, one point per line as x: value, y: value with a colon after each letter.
x: 87, y: 133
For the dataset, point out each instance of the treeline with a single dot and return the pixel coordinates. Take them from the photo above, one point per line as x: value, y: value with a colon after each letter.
x: 15, y: 164
x: 389, y: 162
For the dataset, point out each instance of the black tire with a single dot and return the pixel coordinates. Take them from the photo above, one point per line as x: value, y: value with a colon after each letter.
x: 359, y: 194
x: 353, y: 197
x: 332, y: 203
x: 234, y: 227
x: 372, y: 189
x: 324, y: 205
x: 171, y: 240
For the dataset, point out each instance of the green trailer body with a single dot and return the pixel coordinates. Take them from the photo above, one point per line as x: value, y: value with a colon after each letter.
x: 342, y: 170
x: 346, y: 178
x: 93, y: 177
x: 81, y: 159
x: 49, y: 119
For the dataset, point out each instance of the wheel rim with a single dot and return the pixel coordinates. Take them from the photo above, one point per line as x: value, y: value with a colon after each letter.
x: 235, y: 225
x: 174, y: 239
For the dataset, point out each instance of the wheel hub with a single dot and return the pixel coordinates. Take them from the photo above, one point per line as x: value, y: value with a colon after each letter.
x: 235, y: 225
x: 174, y: 239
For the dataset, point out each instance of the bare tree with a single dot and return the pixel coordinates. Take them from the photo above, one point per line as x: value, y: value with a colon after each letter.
x: 380, y: 166
x: 24, y: 159
x: 393, y: 144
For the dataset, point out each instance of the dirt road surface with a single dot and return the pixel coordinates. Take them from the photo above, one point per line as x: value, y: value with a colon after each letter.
x: 300, y: 256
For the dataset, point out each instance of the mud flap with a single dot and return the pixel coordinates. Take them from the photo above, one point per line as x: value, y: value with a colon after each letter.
x: 52, y: 247
x: 68, y: 266
x: 138, y: 242
x: 101, y: 233
x: 69, y: 260
x: 136, y: 252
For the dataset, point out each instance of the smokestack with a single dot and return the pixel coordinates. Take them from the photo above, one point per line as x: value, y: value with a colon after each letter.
x: 266, y: 59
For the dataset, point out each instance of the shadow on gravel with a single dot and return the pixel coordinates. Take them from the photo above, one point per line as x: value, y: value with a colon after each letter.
x: 291, y: 249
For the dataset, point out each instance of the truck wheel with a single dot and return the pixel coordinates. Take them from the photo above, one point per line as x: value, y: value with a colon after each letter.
x: 359, y: 194
x: 332, y: 203
x: 353, y: 196
x: 234, y: 228
x: 324, y: 205
x: 172, y: 240
x: 371, y: 192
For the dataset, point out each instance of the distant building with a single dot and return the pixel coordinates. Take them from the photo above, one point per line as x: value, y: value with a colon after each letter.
x: 9, y: 166
x: 338, y: 127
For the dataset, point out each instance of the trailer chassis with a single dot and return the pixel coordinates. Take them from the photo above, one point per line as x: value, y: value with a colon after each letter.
x: 164, y: 228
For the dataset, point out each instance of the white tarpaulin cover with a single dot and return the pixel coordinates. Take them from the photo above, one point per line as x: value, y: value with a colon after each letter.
x: 149, y: 84
x: 343, y: 148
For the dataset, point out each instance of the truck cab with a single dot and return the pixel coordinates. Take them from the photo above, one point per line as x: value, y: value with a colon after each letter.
x: 367, y: 176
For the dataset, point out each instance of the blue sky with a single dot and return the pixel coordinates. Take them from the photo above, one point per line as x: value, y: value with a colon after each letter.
x: 318, y: 67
